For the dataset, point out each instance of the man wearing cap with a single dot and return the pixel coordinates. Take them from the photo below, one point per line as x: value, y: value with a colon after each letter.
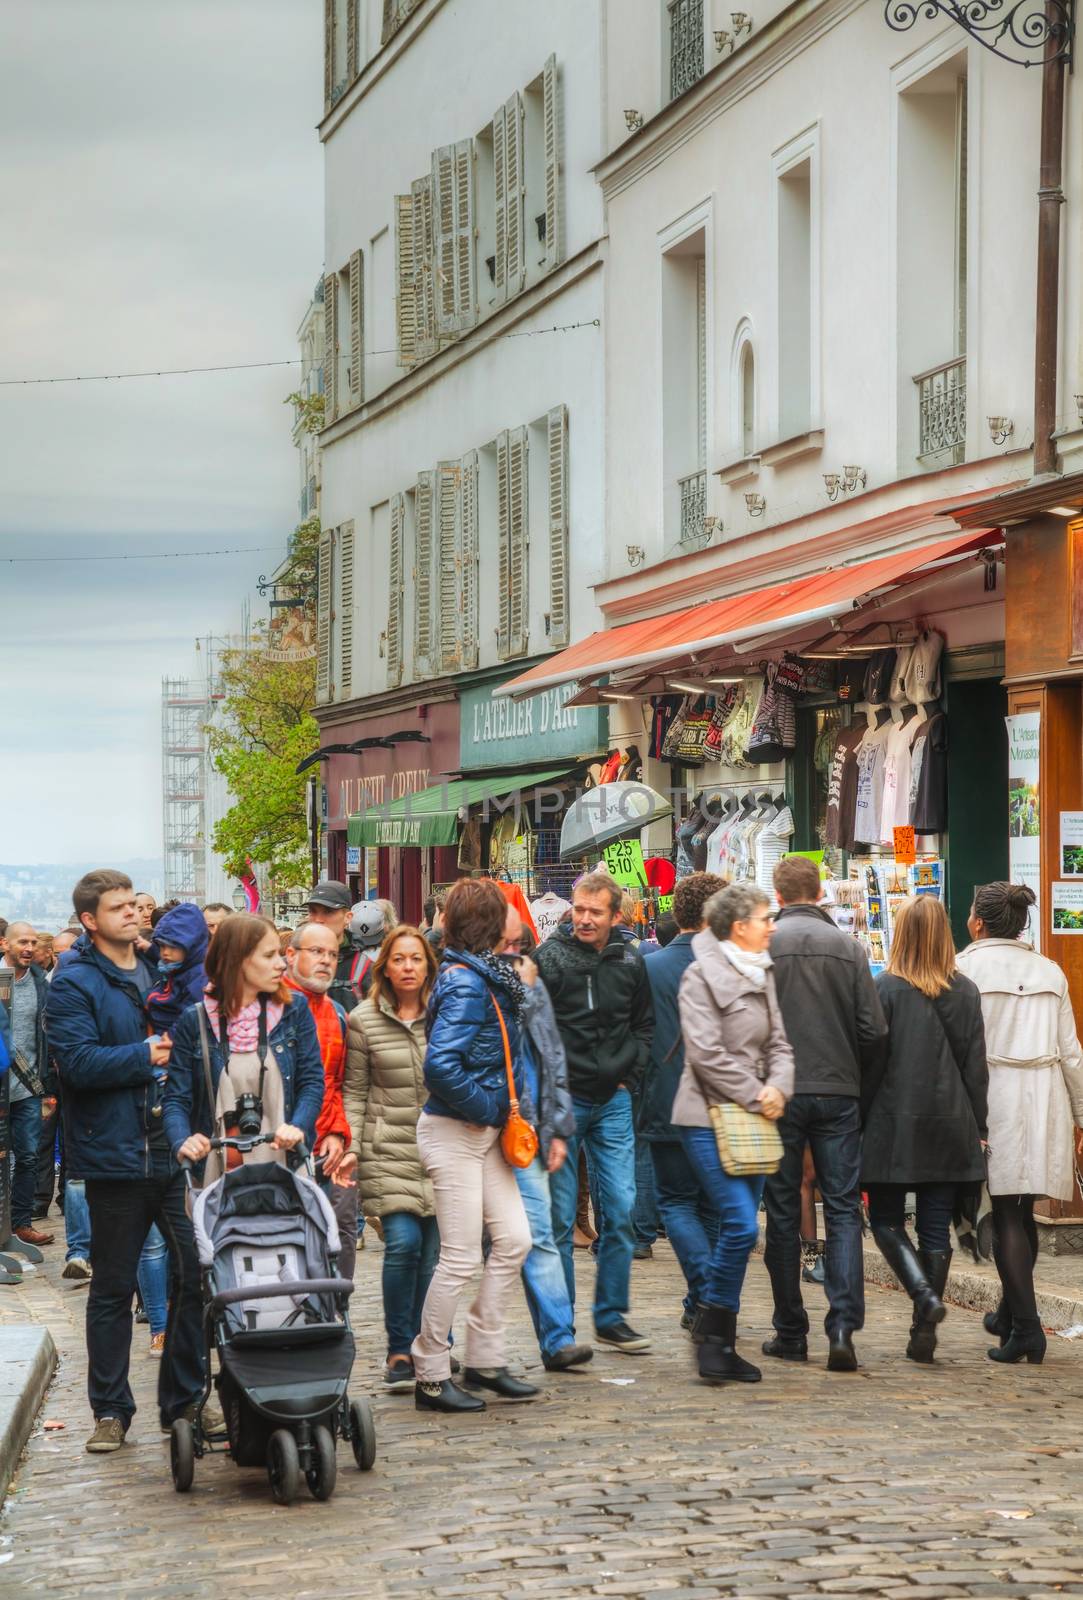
x: 330, y: 903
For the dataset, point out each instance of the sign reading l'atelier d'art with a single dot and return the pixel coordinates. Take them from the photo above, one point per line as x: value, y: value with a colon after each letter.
x: 503, y: 732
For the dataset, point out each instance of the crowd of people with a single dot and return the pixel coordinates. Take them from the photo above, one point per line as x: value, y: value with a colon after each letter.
x: 399, y: 1057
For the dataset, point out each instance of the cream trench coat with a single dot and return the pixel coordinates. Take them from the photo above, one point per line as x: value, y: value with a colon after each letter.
x: 1035, y: 1068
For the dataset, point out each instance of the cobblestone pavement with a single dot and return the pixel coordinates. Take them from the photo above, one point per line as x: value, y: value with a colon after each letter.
x: 630, y: 1479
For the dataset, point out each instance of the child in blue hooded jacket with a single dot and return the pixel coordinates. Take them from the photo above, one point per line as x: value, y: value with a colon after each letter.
x: 182, y: 938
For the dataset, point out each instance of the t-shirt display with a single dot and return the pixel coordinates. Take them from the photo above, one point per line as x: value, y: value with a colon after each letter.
x: 895, y: 809
x: 842, y: 788
x: 871, y: 756
x: 929, y: 775
x: 547, y: 912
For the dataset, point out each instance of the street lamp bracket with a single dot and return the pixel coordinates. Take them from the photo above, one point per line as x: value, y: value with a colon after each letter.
x: 1028, y: 33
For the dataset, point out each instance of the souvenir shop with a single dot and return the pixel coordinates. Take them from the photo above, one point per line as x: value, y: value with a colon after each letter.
x: 857, y: 717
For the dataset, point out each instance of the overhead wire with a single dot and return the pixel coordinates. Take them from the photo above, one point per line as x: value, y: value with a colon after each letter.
x: 146, y: 555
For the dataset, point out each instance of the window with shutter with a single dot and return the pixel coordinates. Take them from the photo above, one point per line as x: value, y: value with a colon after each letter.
x: 330, y: 346
x: 328, y: 52
x: 443, y: 202
x: 554, y: 219
x: 406, y: 297
x: 518, y: 542
x: 424, y: 249
x: 425, y: 579
x: 466, y: 288
x: 500, y: 203
x: 352, y: 57
x: 503, y: 545
x: 701, y: 362
x: 344, y: 612
x: 468, y: 560
x: 515, y: 191
x: 357, y: 329
x: 448, y: 538
x: 324, y: 585
x: 395, y: 595
x: 557, y: 429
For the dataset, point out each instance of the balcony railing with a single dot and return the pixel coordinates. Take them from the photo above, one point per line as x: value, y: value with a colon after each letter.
x: 693, y: 506
x: 685, y: 45
x: 942, y: 410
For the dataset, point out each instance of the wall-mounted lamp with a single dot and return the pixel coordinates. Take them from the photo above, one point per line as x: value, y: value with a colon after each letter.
x: 1000, y: 428
x: 723, y: 41
x: 711, y: 525
x: 634, y: 119
x: 756, y: 503
x: 742, y: 23
x: 636, y: 555
x: 1079, y: 408
x: 853, y: 478
x: 833, y: 484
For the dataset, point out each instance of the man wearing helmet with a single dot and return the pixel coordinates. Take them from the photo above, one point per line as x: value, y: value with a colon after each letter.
x: 360, y: 930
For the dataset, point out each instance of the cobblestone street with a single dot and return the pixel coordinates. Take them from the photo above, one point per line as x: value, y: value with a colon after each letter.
x: 631, y: 1479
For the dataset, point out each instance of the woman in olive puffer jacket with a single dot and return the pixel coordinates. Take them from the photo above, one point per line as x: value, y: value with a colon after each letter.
x: 383, y: 1092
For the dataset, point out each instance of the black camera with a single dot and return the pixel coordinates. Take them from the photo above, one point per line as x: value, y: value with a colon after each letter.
x: 247, y: 1116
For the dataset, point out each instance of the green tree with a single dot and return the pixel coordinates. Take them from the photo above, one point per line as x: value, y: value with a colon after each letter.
x: 265, y: 729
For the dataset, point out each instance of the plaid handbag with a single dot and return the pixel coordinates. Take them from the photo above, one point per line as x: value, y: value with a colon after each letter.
x: 748, y: 1144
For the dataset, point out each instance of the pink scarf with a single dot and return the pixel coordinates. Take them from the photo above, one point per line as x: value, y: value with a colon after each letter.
x: 242, y: 1031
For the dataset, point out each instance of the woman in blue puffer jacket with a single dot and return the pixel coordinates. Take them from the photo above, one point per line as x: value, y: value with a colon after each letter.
x: 458, y: 1140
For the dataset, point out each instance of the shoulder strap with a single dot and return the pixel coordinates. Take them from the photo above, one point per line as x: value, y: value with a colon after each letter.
x: 204, y: 1042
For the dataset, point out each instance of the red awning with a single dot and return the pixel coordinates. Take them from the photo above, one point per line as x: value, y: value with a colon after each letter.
x: 782, y: 608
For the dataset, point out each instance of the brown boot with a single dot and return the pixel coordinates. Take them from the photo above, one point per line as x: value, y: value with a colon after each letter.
x: 583, y: 1235
x: 32, y: 1235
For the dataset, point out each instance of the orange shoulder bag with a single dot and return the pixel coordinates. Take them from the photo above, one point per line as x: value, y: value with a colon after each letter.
x: 518, y: 1140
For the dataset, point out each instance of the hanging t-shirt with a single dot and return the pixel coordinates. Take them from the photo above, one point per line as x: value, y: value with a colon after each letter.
x: 929, y: 776
x: 772, y: 842
x: 547, y: 912
x: 922, y: 682
x: 871, y: 755
x: 895, y: 807
x: 842, y: 788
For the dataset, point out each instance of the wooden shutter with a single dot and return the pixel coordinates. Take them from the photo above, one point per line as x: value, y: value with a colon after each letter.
x: 344, y: 688
x: 395, y: 588
x: 330, y: 346
x: 503, y: 570
x: 701, y: 363
x: 406, y: 296
x: 390, y: 20
x: 518, y: 542
x: 351, y: 39
x: 357, y: 328
x: 443, y: 205
x: 554, y: 218
x: 324, y: 582
x: 328, y: 52
x: 468, y: 561
x: 448, y: 609
x: 500, y: 202
x: 466, y: 288
x: 424, y: 250
x: 515, y: 189
x: 424, y: 573
x: 557, y: 429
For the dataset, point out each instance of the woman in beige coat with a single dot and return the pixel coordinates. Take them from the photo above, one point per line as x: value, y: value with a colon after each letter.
x: 383, y: 1091
x: 1035, y: 1097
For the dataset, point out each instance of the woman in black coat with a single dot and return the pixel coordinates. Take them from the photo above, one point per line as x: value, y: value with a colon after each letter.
x: 924, y: 1111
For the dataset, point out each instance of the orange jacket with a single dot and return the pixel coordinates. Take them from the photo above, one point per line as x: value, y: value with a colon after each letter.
x: 331, y: 1031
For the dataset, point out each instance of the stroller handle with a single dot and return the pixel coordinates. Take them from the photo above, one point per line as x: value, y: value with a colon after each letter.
x: 280, y: 1291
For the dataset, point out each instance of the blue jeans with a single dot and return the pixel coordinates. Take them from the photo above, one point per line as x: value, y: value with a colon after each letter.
x: 76, y: 1220
x: 737, y: 1201
x: 690, y: 1218
x: 411, y: 1246
x: 152, y: 1275
x: 543, y: 1270
x: 606, y: 1131
x: 25, y: 1131
x: 646, y: 1212
x: 831, y: 1126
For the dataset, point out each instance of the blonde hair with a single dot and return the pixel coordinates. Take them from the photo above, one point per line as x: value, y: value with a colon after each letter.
x: 922, y: 948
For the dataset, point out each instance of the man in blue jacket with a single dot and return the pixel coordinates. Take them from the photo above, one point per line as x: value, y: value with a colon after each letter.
x: 691, y: 1220
x: 112, y: 1068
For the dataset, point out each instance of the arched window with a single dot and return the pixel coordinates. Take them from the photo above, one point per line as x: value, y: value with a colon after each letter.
x: 748, y: 399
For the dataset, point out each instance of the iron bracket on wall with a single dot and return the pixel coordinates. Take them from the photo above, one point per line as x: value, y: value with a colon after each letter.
x: 1038, y: 33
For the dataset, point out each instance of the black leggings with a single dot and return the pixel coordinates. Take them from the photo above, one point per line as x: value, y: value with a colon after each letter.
x: 1015, y: 1250
x: 935, y: 1201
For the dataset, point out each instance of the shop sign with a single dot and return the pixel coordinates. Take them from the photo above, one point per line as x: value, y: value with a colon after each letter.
x: 502, y: 732
x: 1067, y: 901
x: 624, y: 859
x: 353, y: 858
x: 1024, y: 811
x: 381, y: 774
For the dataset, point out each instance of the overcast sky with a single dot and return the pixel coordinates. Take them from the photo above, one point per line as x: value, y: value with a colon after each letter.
x: 161, y: 197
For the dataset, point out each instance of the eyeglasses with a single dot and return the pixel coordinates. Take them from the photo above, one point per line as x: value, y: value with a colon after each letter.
x: 768, y: 917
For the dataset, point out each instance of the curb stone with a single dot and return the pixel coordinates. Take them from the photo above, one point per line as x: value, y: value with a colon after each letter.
x: 27, y: 1364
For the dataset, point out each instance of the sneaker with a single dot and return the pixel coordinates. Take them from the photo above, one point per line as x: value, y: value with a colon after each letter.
x: 108, y: 1436
x: 619, y: 1336
x: 77, y: 1268
x: 399, y: 1376
x: 157, y: 1344
x: 642, y: 1252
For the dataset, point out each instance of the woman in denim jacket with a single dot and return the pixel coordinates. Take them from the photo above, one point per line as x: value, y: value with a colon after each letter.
x: 458, y: 1139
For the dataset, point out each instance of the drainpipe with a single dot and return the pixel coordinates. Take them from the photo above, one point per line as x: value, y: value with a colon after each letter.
x: 1050, y: 200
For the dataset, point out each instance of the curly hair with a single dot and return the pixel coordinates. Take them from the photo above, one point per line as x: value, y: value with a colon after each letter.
x: 690, y: 897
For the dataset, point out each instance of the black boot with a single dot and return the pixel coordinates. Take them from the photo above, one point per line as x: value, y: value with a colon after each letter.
x: 898, y: 1251
x: 500, y: 1381
x: 1025, y: 1343
x: 445, y: 1396
x: 999, y: 1322
x: 719, y: 1362
x: 922, y: 1343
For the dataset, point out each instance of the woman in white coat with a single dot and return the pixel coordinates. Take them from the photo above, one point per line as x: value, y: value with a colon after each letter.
x: 1035, y: 1097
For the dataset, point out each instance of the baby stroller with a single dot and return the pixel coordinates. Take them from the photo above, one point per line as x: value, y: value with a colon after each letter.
x: 276, y: 1311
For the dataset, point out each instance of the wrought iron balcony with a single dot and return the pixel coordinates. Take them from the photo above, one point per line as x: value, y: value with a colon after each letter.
x: 693, y: 506
x: 685, y: 45
x: 942, y: 410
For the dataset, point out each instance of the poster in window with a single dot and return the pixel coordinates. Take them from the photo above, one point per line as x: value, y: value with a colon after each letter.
x: 1024, y: 811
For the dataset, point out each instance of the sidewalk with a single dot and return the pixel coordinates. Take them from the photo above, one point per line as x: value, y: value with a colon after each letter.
x: 28, y: 1361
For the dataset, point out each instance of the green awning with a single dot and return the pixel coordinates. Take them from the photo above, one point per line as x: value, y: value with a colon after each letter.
x: 432, y: 816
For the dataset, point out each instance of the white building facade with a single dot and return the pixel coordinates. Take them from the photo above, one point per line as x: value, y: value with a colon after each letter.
x: 462, y: 458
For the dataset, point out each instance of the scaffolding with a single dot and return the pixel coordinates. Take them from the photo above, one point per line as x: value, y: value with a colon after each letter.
x: 189, y: 782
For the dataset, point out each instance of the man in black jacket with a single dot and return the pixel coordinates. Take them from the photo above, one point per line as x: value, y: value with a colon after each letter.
x: 837, y: 1029
x: 602, y: 999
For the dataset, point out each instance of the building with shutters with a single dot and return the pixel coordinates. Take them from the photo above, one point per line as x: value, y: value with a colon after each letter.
x: 305, y: 438
x: 462, y: 495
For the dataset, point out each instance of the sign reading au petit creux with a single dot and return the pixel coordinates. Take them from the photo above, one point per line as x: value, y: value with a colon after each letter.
x: 503, y: 732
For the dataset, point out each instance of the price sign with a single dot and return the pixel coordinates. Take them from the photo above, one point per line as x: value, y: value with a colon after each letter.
x: 624, y: 859
x: 665, y: 903
x: 906, y: 852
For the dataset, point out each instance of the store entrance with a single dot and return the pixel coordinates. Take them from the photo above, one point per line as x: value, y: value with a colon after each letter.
x: 976, y: 847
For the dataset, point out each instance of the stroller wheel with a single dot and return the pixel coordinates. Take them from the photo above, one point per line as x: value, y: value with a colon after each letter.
x: 283, y: 1466
x: 362, y: 1434
x: 321, y: 1475
x: 182, y: 1456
